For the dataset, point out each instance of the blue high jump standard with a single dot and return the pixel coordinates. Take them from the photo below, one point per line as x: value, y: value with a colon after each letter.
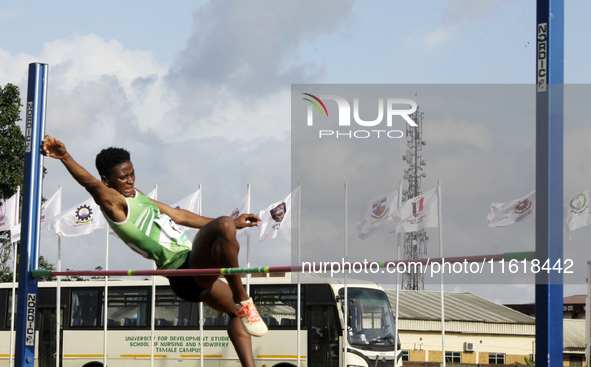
x: 549, y: 180
x: 31, y: 215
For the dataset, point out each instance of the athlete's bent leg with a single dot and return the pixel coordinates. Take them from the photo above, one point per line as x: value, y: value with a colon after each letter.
x: 220, y: 299
x: 215, y: 246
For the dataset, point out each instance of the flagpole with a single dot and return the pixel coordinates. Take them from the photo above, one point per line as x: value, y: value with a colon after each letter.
x: 346, y: 309
x: 12, y: 307
x: 153, y: 305
x: 201, y: 318
x: 588, y: 314
x: 441, y: 255
x: 58, y: 295
x: 298, y: 321
x: 18, y: 194
x: 397, y: 282
x: 248, y: 240
x: 106, y: 303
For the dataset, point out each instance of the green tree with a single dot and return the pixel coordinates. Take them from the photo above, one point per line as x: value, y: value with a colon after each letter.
x: 6, y: 275
x: 12, y: 158
x: 12, y: 155
x: 12, y: 141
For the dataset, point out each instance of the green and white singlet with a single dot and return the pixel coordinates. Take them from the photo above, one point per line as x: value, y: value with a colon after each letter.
x: 152, y: 234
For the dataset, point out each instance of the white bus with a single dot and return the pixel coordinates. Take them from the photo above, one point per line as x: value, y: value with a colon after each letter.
x: 369, y: 342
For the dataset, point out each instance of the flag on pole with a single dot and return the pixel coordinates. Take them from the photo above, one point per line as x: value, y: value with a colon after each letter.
x: 280, y: 215
x: 376, y: 214
x: 520, y: 210
x: 577, y: 213
x: 190, y: 203
x: 8, y: 217
x: 418, y: 213
x: 152, y: 194
x: 241, y: 209
x: 79, y: 220
x: 49, y: 210
x: 15, y: 233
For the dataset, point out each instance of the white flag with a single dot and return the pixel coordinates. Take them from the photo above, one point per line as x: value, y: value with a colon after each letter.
x: 8, y: 216
x: 15, y: 233
x: 577, y: 213
x: 79, y: 220
x: 48, y: 211
x: 376, y: 214
x: 190, y: 203
x: 417, y: 213
x: 279, y: 215
x: 520, y: 210
x: 152, y: 194
x: 241, y: 209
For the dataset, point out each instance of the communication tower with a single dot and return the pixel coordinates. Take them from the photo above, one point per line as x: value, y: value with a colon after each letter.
x: 415, y: 243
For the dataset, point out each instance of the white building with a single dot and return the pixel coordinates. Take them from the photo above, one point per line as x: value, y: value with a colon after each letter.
x: 477, y: 330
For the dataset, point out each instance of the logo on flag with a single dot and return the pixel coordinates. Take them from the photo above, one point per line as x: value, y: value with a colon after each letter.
x: 523, y: 206
x: 375, y: 215
x: 380, y: 208
x: 579, y: 204
x: 84, y: 214
x: 418, y: 212
x: 235, y: 214
x: 577, y: 213
x: 279, y: 215
x: 518, y: 210
x: 417, y: 206
x: 278, y: 212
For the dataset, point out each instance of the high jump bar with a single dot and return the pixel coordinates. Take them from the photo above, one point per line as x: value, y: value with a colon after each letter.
x: 328, y: 266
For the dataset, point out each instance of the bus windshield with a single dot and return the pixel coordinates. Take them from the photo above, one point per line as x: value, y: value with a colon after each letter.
x: 370, y: 322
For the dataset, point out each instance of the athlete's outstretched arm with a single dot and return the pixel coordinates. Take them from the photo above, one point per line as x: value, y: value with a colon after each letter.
x: 189, y: 219
x: 108, y: 199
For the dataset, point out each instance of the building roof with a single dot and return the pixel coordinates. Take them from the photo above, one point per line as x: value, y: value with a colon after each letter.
x: 466, y: 312
x: 574, y: 335
x: 464, y: 307
x: 572, y: 300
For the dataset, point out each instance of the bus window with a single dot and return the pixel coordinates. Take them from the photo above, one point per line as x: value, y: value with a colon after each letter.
x: 9, y: 309
x: 172, y: 311
x: 212, y: 318
x: 370, y: 320
x: 85, y: 306
x: 127, y: 307
x: 276, y: 304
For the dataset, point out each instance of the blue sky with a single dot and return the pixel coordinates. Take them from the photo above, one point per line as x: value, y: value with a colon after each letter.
x: 200, y: 91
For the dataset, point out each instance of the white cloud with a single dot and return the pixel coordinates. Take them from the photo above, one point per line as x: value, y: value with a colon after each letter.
x: 440, y: 36
x: 245, y: 46
x: 459, y: 17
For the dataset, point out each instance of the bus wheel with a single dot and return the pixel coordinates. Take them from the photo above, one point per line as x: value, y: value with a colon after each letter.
x: 93, y: 364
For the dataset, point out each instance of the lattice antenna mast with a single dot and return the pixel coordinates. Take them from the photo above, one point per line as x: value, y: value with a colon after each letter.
x: 415, y: 243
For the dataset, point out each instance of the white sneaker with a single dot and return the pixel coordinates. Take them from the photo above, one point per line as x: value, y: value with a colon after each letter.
x: 251, y: 321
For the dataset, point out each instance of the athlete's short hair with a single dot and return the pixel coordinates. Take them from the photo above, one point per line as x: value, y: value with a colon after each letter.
x: 110, y: 158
